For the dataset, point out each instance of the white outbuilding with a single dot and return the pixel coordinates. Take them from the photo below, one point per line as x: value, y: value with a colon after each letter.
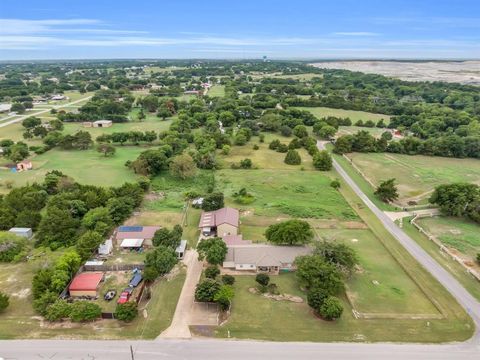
x: 23, y: 232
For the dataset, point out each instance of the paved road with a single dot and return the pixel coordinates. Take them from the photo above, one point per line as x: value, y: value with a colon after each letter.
x: 471, y: 305
x: 224, y: 349
x: 179, y: 329
x: 36, y: 113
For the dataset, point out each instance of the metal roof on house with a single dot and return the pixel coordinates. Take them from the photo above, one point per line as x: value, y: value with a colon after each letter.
x: 218, y: 217
x: 235, y: 240
x: 136, y: 232
x: 181, y: 248
x: 265, y: 255
x: 86, y: 281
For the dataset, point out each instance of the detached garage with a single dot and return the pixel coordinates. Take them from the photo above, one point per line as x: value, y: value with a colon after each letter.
x: 85, y: 284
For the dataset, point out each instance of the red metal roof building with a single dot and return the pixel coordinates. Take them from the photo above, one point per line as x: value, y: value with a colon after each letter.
x: 85, y: 284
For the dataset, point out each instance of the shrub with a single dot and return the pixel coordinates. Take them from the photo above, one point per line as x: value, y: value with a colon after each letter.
x: 11, y: 245
x: 59, y: 310
x: 274, y: 144
x: 84, y: 311
x: 293, y: 158
x: 316, y: 297
x: 285, y: 130
x: 290, y: 232
x: 127, y: 311
x: 4, y: 301
x: 256, y: 147
x: 212, y: 272
x: 335, y: 184
x: 206, y: 290
x: 322, y: 161
x: 262, y: 279
x: 224, y: 296
x: 273, y: 289
x: 228, y: 279
x: 331, y: 308
x: 246, y: 163
x: 282, y: 148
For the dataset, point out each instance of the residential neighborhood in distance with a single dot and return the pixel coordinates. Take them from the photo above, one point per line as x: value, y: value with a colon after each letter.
x: 176, y: 184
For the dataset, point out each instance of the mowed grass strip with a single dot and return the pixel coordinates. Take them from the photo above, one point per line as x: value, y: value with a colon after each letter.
x: 86, y: 167
x: 255, y: 317
x: 352, y: 114
x: 416, y: 175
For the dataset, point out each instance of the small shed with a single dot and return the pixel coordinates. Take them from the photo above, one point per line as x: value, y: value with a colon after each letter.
x: 106, y: 248
x: 131, y: 243
x: 180, y: 250
x: 102, y: 123
x: 23, y: 232
x: 24, y: 165
x: 85, y: 284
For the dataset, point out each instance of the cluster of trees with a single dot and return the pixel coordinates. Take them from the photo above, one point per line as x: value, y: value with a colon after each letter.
x: 105, y: 104
x: 12, y: 247
x: 458, y: 199
x: 323, y: 274
x: 14, y: 151
x: 34, y: 127
x: 213, y: 250
x: 212, y: 290
x: 132, y: 137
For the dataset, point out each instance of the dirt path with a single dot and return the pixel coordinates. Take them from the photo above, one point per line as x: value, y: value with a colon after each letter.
x: 181, y: 319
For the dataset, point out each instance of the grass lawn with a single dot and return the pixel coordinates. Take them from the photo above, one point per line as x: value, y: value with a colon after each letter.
x: 352, y: 114
x: 254, y: 316
x: 285, y: 193
x: 349, y: 130
x: 86, y: 167
x: 416, y: 175
x: 217, y: 90
x: 460, y: 234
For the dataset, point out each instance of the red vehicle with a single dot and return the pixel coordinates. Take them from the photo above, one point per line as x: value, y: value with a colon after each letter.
x: 124, y: 297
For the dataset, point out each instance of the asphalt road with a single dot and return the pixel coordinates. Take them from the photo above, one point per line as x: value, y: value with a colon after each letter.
x: 226, y: 349
x: 471, y: 305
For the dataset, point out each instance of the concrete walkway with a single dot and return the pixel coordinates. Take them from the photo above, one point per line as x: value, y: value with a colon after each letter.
x: 179, y: 329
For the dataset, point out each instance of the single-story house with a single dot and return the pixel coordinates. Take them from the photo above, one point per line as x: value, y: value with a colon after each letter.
x: 180, y: 250
x: 106, y: 248
x: 85, y: 284
x: 263, y: 258
x: 145, y: 233
x: 102, y: 123
x: 221, y: 222
x: 24, y: 165
x: 59, y: 97
x: 23, y: 232
x: 131, y: 243
x: 5, y: 108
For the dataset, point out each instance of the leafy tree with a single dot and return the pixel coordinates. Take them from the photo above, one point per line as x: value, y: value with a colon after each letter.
x: 84, y: 311
x: 458, y: 199
x: 338, y: 254
x: 226, y: 149
x: 88, y: 243
x: 224, y: 296
x: 150, y: 162
x: 274, y: 144
x: 213, y: 202
x: 300, y: 131
x: 106, y: 149
x: 228, y: 279
x: 262, y: 279
x: 99, y: 220
x: 162, y: 259
x: 57, y: 227
x: 293, y: 158
x: 41, y: 304
x: 213, y: 250
x: 387, y: 190
x: 18, y: 152
x: 183, y: 167
x: 41, y: 282
x: 246, y: 163
x: 290, y: 232
x: 165, y: 237
x: 212, y: 272
x: 314, y: 271
x: 126, y: 311
x: 206, y: 290
x: 4, y: 301
x: 322, y: 161
x: 331, y: 308
x: 327, y: 132
x: 150, y: 274
x: 31, y: 122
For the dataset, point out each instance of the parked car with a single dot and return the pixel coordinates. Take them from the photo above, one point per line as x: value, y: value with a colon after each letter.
x: 124, y: 297
x: 110, y: 294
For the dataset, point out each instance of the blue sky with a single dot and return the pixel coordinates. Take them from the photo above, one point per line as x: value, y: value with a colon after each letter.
x: 319, y: 29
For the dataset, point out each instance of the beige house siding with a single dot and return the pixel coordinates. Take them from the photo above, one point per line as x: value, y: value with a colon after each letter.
x: 77, y: 293
x: 226, y: 229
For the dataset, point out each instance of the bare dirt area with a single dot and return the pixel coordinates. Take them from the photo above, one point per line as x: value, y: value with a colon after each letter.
x: 464, y: 72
